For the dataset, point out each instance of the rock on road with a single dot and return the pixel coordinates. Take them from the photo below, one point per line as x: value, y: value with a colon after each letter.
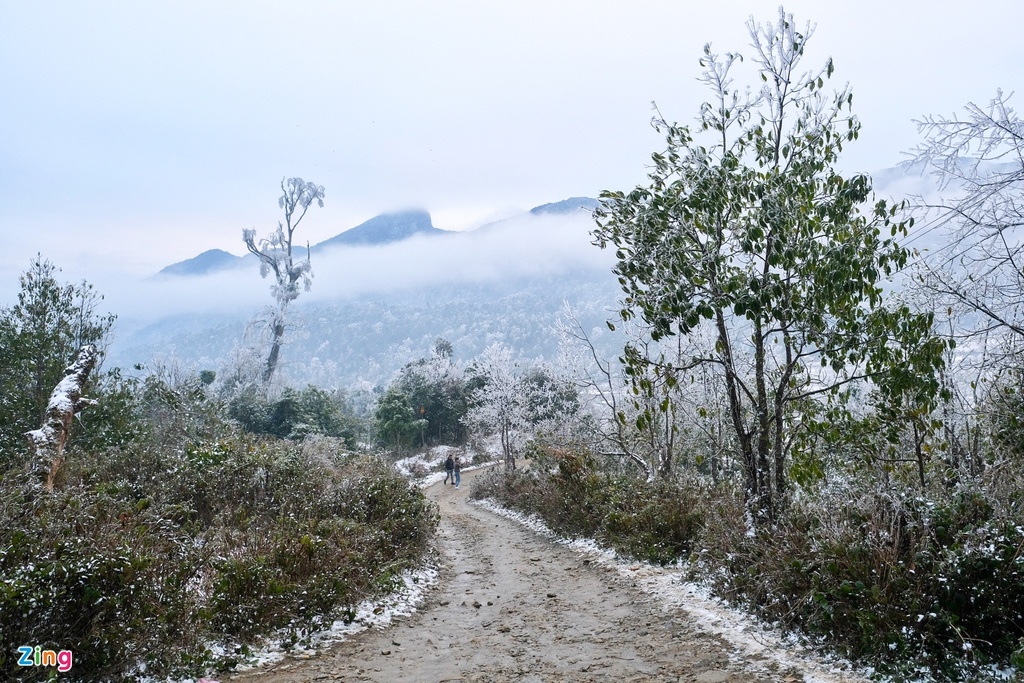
x: 510, y: 605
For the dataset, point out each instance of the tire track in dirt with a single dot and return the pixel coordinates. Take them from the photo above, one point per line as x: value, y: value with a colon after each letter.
x: 510, y: 605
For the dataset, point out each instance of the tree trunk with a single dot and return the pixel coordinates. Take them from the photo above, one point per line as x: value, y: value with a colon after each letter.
x: 506, y: 446
x: 275, y: 352
x: 667, y: 453
x: 47, y: 443
x: 781, y: 475
x: 736, y: 410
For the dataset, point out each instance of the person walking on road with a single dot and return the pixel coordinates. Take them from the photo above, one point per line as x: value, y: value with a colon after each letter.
x: 449, y: 469
x: 457, y: 471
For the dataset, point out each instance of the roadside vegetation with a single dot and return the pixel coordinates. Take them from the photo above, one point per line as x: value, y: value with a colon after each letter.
x: 176, y: 539
x: 819, y: 423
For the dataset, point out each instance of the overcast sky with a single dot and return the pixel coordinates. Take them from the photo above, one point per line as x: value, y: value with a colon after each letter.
x: 138, y: 134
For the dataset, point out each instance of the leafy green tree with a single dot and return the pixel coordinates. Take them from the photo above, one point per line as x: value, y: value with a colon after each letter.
x: 397, y: 421
x: 313, y: 410
x: 438, y: 391
x: 39, y: 337
x: 295, y: 414
x: 747, y: 228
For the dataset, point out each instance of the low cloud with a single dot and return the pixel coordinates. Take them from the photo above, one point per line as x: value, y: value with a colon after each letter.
x: 524, y: 247
x: 527, y: 246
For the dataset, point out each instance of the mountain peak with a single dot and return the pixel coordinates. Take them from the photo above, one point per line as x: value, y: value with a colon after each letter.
x: 570, y: 205
x: 386, y: 228
x: 209, y: 261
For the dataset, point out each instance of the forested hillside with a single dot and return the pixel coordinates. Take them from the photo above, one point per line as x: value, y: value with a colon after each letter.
x: 367, y: 339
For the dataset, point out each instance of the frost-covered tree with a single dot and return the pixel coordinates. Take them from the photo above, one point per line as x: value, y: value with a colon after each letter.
x: 977, y: 276
x: 978, y: 159
x: 277, y: 257
x: 516, y: 403
x: 499, y: 403
x: 649, y: 428
x: 748, y: 230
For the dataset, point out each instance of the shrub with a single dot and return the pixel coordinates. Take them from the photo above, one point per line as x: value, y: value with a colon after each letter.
x: 294, y: 414
x: 900, y: 583
x: 144, y: 556
x: 657, y: 522
x: 105, y: 577
x: 566, y: 488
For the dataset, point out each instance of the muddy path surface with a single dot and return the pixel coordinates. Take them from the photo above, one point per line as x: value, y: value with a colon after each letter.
x: 511, y: 605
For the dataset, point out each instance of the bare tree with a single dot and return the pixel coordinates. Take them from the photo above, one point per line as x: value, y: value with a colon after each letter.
x: 276, y: 256
x: 600, y: 384
x: 979, y: 159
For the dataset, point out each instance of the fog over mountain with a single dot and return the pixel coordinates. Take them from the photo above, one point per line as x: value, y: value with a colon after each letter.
x: 384, y: 290
x: 382, y: 293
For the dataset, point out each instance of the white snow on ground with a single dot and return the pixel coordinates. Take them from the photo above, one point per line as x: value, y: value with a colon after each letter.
x: 369, y: 614
x: 425, y: 464
x: 751, y: 639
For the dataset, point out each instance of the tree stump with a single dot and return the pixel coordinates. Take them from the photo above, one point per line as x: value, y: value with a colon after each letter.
x: 46, y: 444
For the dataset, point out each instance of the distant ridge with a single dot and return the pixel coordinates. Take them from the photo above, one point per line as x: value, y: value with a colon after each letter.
x: 383, y: 229
x: 386, y: 228
x: 208, y: 262
x: 570, y: 205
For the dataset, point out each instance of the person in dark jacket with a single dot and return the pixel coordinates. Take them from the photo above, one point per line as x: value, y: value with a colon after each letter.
x: 449, y: 469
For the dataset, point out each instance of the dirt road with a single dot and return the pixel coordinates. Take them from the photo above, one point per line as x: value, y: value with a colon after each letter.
x: 511, y: 605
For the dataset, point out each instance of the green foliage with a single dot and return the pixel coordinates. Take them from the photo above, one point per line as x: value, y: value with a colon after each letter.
x: 39, y: 337
x: 172, y: 530
x: 896, y: 583
x: 576, y: 498
x: 103, y: 576
x: 658, y: 523
x: 251, y: 410
x: 147, y: 556
x: 747, y: 229
x: 397, y: 421
x: 132, y: 412
x: 295, y: 414
x: 118, y: 417
x: 1005, y: 408
x: 535, y: 492
x: 438, y: 395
